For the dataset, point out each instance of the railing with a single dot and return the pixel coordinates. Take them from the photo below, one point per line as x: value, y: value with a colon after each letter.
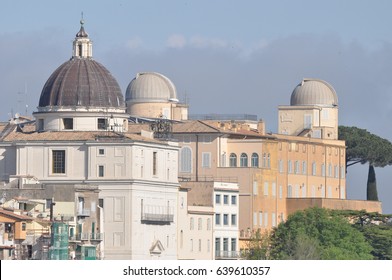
x: 84, y: 212
x: 96, y: 236
x: 82, y: 236
x: 157, y: 214
x: 208, y: 178
x: 227, y: 255
x: 85, y: 236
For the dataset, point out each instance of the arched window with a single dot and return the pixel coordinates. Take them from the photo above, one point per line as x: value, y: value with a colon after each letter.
x: 186, y: 160
x: 264, y: 160
x: 244, y: 160
x: 255, y: 160
x: 233, y: 160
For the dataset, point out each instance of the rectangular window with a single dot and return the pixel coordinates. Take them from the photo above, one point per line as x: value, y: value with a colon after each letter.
x: 206, y: 160
x: 233, y: 245
x: 233, y: 200
x: 217, y: 199
x: 296, y: 167
x: 68, y: 123
x: 40, y: 124
x: 101, y: 152
x: 225, y: 244
x: 233, y: 219
x: 48, y: 203
x: 101, y: 171
x: 261, y: 218
x: 255, y: 188
x: 266, y: 188
x: 226, y: 199
x: 266, y: 219
x: 217, y: 246
x: 273, y: 218
x: 274, y: 189
x: 289, y: 167
x: 342, y: 192
x: 280, y: 192
x: 217, y: 219
x: 102, y: 124
x: 58, y: 162
x: 314, y: 169
x: 199, y: 224
x: 280, y: 166
x: 304, y: 167
x: 225, y: 219
x: 154, y: 163
x: 289, y: 191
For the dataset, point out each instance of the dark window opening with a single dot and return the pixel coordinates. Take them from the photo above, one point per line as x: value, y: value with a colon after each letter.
x: 68, y: 123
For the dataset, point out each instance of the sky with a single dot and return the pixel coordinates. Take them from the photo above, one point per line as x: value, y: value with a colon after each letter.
x: 223, y: 56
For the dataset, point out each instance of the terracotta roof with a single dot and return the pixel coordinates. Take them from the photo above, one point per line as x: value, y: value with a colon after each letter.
x: 14, y: 216
x: 29, y: 134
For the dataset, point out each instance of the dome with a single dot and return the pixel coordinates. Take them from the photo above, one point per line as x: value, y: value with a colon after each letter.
x: 81, y: 82
x: 314, y: 92
x: 151, y: 87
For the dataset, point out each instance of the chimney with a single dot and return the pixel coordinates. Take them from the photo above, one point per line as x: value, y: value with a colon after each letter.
x: 261, y: 127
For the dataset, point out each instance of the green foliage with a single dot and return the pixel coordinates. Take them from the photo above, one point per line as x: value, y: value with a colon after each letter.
x: 257, y: 247
x: 380, y: 237
x: 377, y: 229
x: 317, y: 233
x: 372, y: 185
x: 365, y: 147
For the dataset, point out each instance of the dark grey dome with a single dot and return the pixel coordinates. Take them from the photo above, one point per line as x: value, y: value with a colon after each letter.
x: 81, y: 82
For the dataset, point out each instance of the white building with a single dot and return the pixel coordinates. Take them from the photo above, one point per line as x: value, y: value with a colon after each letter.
x: 80, y: 137
x: 226, y: 234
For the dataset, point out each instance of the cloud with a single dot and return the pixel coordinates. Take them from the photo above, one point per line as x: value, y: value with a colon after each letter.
x: 176, y: 41
x: 134, y: 43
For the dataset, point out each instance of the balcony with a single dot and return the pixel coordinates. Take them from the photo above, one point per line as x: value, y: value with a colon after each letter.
x: 157, y: 214
x: 82, y: 236
x: 83, y: 212
x: 98, y: 236
x: 227, y: 255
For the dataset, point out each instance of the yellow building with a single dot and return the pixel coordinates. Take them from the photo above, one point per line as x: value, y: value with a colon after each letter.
x: 301, y: 166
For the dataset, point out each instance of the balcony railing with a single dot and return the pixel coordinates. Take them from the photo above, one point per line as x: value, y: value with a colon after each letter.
x: 208, y: 178
x: 85, y: 236
x: 224, y: 255
x: 157, y: 214
x: 82, y: 236
x: 84, y: 212
x: 96, y: 236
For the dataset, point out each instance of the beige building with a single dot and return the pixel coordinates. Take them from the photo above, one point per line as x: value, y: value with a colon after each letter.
x: 277, y: 174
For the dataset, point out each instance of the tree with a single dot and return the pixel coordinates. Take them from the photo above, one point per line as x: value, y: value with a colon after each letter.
x: 257, y: 247
x: 318, y: 233
x: 365, y: 147
x: 377, y: 229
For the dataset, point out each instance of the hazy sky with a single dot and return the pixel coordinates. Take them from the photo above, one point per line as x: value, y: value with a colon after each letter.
x: 224, y: 56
